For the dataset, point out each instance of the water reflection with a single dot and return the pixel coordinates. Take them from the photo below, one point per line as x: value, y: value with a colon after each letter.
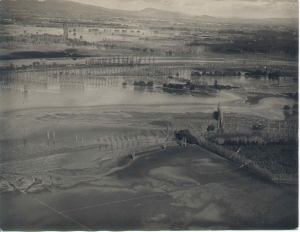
x: 143, y: 89
x: 280, y: 85
x: 80, y: 79
x: 27, y: 81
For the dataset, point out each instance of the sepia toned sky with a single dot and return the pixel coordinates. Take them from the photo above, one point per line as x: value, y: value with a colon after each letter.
x: 218, y: 8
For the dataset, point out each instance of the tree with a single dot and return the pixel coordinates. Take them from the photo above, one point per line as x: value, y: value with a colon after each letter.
x: 216, y: 84
x: 296, y: 96
x: 295, y: 107
x: 12, y: 66
x: 204, y: 84
x: 196, y: 73
x: 216, y: 115
x: 187, y: 135
x: 150, y: 83
x: 286, y: 107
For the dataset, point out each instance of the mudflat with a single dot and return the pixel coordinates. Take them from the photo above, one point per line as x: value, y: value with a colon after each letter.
x: 174, y: 189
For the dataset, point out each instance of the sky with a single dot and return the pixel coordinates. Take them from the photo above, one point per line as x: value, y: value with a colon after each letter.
x: 217, y: 8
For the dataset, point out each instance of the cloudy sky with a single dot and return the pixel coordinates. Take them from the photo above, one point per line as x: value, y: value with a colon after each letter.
x: 220, y: 8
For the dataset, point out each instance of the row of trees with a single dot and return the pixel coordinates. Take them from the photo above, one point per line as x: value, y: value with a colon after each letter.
x: 215, y: 73
x: 196, y: 85
x: 235, y: 157
x: 259, y: 73
x: 263, y: 163
x: 278, y: 157
x: 189, y: 86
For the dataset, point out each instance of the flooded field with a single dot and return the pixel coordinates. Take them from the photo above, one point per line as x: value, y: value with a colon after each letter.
x: 112, y: 94
x: 148, y: 115
x: 90, y: 34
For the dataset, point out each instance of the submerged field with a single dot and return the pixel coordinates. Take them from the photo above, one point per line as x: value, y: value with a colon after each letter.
x: 178, y: 188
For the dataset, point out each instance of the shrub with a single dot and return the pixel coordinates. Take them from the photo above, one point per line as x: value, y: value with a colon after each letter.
x: 193, y: 87
x: 139, y: 83
x: 210, y: 128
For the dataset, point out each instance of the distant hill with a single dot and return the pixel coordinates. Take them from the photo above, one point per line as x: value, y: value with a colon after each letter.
x: 69, y: 9
x: 155, y: 13
x: 56, y: 8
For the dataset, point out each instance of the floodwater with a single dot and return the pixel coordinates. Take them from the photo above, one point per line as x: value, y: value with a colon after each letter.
x: 101, y: 34
x: 281, y: 85
x: 110, y: 93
